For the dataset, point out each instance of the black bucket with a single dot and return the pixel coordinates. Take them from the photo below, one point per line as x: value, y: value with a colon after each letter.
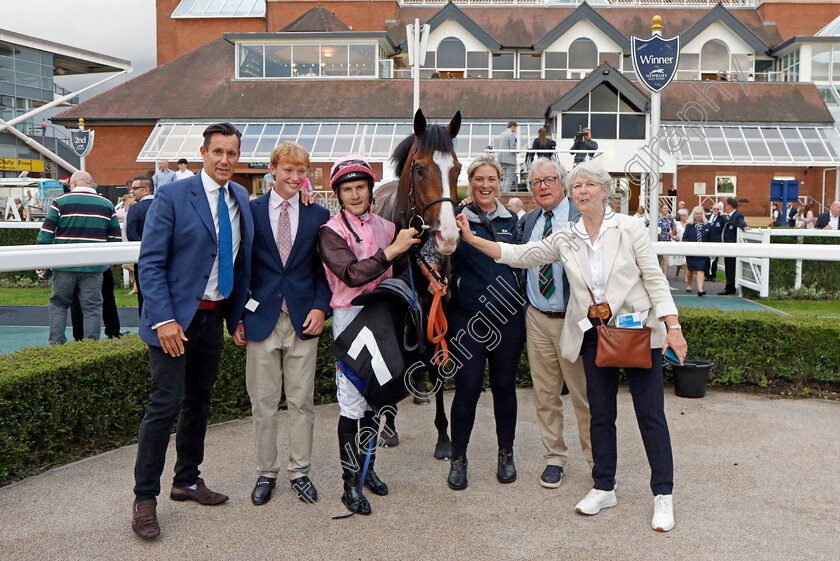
x: 690, y: 379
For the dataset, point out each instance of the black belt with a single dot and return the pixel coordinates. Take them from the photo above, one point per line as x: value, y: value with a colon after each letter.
x: 552, y: 315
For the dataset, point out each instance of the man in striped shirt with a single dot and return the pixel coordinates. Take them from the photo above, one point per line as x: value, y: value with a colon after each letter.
x: 80, y: 216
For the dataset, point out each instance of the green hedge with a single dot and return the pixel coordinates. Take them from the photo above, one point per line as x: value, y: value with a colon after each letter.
x: 62, y: 403
x: 823, y: 274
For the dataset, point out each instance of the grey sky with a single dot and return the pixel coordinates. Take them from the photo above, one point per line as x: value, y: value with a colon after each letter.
x: 120, y: 28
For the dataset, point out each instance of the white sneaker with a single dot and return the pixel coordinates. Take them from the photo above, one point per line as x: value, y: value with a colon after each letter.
x: 663, y: 513
x: 595, y: 500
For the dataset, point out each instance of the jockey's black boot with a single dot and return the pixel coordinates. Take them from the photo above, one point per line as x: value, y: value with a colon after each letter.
x: 369, y: 435
x: 351, y: 468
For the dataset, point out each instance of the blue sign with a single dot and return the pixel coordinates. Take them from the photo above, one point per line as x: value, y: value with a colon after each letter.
x: 81, y: 141
x: 656, y: 60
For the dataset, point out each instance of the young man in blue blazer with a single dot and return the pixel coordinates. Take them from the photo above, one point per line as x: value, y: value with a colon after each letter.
x: 282, y: 321
x: 195, y: 261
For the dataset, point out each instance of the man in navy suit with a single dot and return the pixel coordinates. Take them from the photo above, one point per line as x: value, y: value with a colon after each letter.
x: 548, y: 296
x: 735, y: 222
x: 282, y: 321
x: 143, y: 189
x: 195, y: 261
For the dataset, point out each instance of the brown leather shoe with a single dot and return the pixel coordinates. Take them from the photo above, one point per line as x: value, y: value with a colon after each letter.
x: 144, y: 520
x: 201, y: 494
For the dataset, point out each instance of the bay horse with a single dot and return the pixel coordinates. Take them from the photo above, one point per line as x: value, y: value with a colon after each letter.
x: 424, y: 198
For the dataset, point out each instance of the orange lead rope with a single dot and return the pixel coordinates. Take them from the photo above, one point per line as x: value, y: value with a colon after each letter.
x: 437, y: 326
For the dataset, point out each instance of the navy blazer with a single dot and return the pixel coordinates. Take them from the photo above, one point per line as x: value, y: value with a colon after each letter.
x: 301, y: 280
x: 178, y: 251
x: 526, y: 228
x: 135, y: 219
x: 730, y: 229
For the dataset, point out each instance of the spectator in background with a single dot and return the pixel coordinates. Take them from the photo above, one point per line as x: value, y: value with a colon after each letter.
x: 542, y: 142
x: 679, y: 226
x: 507, y: 141
x: 127, y: 201
x: 681, y: 206
x: 515, y: 206
x: 585, y: 143
x: 268, y: 182
x: 730, y: 235
x: 642, y: 215
x: 667, y: 231
x: 672, y: 192
x: 80, y: 216
x: 163, y: 175
x: 183, y: 172
x: 716, y: 222
x: 791, y: 214
x: 809, y: 221
x: 143, y: 190
x: 776, y: 219
x: 698, y: 230
x: 830, y: 220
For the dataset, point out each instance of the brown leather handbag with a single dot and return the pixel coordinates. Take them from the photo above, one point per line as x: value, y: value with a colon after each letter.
x: 622, y: 347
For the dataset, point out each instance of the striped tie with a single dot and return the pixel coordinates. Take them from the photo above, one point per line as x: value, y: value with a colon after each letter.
x: 547, y: 270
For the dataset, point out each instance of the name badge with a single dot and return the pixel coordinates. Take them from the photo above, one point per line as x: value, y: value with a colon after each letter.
x: 585, y: 325
x: 252, y: 305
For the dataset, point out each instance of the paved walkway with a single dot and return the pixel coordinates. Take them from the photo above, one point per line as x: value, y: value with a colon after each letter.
x: 756, y: 478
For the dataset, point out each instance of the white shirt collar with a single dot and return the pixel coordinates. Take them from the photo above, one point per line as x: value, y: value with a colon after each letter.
x: 83, y: 189
x: 276, y: 200
x: 580, y: 229
x: 210, y: 184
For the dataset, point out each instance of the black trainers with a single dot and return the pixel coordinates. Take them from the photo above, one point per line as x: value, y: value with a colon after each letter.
x: 457, y: 473
x: 552, y: 477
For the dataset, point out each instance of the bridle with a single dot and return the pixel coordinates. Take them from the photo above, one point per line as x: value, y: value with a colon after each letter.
x: 417, y: 222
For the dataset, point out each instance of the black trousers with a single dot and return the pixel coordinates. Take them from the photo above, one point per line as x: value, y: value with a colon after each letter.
x: 110, y: 315
x: 729, y: 263
x: 646, y: 387
x: 181, y: 388
x: 471, y: 349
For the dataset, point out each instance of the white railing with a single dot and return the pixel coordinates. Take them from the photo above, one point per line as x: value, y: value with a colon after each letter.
x: 564, y: 156
x: 663, y: 3
x: 754, y: 272
x: 31, y: 257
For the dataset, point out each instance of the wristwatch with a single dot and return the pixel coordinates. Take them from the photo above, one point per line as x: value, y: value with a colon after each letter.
x: 675, y: 326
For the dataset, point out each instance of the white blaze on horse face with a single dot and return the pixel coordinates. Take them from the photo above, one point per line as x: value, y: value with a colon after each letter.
x: 447, y: 233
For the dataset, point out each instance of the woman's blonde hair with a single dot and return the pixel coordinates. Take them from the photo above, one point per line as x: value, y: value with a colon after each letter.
x: 702, y: 213
x: 484, y: 161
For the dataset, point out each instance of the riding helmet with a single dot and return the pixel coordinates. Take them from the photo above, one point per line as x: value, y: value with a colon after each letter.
x: 351, y: 168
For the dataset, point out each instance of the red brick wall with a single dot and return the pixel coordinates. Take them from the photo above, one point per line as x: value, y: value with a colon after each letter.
x: 800, y: 18
x: 176, y: 37
x: 361, y: 16
x: 113, y: 158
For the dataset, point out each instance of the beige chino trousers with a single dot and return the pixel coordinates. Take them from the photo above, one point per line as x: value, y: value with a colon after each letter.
x: 548, y: 372
x: 282, y: 362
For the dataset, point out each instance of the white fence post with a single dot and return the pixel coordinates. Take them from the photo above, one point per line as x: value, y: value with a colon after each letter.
x: 765, y: 267
x: 797, y: 284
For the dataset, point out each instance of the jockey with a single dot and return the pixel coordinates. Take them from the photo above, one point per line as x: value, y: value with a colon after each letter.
x: 359, y: 250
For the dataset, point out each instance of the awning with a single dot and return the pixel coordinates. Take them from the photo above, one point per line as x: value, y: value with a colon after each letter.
x: 220, y: 9
x: 754, y: 145
x: 324, y: 140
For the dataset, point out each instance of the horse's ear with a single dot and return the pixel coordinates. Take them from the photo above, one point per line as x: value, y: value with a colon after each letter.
x: 419, y: 123
x: 454, y: 125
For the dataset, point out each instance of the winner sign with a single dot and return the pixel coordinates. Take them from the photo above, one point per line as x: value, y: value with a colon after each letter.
x: 656, y: 60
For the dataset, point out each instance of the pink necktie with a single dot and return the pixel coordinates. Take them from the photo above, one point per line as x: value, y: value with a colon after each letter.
x: 284, y: 238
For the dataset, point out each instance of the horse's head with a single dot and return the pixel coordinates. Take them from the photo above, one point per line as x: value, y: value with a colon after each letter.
x: 429, y: 179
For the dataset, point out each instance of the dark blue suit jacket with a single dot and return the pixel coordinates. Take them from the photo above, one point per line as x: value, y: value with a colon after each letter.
x: 177, y: 255
x: 136, y: 219
x: 527, y: 228
x: 301, y: 280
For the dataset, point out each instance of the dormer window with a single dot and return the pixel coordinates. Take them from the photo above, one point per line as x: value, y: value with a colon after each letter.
x: 328, y: 60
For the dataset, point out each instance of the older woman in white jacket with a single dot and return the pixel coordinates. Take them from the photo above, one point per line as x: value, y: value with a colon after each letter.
x: 610, y: 254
